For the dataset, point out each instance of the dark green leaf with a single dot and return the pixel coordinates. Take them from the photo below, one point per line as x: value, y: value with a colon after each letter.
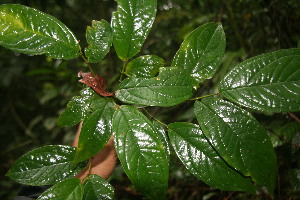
x: 144, y: 66
x: 78, y: 108
x: 239, y: 139
x: 27, y: 30
x: 169, y: 88
x: 95, y: 187
x: 269, y: 82
x: 96, y: 129
x: 141, y: 152
x: 163, y: 137
x: 70, y: 189
x: 203, y: 161
x: 45, y: 166
x: 281, y: 132
x: 131, y: 24
x: 202, y: 51
x: 100, y: 38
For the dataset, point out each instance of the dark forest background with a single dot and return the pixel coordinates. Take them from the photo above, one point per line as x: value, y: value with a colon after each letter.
x: 35, y: 89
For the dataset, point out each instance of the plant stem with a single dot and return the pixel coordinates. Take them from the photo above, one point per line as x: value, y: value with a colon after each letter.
x: 123, y: 70
x: 87, y: 62
x: 90, y: 162
x: 196, y: 98
x: 155, y: 118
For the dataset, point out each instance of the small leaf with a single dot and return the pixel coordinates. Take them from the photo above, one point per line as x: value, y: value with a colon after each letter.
x: 95, y: 187
x: 78, y: 108
x: 239, y: 139
x: 131, y: 24
x: 96, y: 130
x: 45, y: 166
x: 99, y: 38
x: 282, y: 132
x: 27, y: 30
x: 141, y: 152
x: 203, y: 161
x: 70, y: 189
x: 202, y: 51
x: 144, y: 66
x: 96, y: 82
x: 269, y: 82
x: 169, y: 88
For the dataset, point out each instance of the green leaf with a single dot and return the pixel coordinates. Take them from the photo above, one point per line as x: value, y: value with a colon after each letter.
x: 95, y: 187
x: 27, y: 30
x: 99, y: 38
x: 200, y: 158
x: 269, y: 82
x: 144, y: 66
x: 70, y: 189
x: 163, y: 137
x: 169, y: 88
x: 96, y: 130
x: 202, y: 51
x: 141, y: 152
x: 78, y: 108
x: 45, y: 166
x: 239, y: 139
x: 131, y: 24
x: 281, y: 132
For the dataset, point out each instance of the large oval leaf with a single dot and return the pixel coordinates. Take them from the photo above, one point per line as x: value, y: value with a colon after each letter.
x: 202, y: 51
x: 45, y: 166
x: 269, y: 82
x: 96, y: 130
x: 144, y: 66
x: 70, y: 189
x: 141, y: 152
x: 99, y: 37
x: 27, y: 30
x: 95, y: 187
x: 131, y: 24
x: 172, y: 86
x: 203, y: 161
x: 239, y: 139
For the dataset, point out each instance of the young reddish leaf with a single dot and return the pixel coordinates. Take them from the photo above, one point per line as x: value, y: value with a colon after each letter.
x: 96, y: 82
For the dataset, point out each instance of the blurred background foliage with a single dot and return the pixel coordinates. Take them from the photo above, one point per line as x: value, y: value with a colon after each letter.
x: 35, y: 89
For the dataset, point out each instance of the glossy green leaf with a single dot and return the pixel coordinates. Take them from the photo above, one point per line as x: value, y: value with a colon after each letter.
x: 45, y: 166
x: 78, y: 108
x: 27, y: 30
x: 203, y: 161
x: 131, y: 24
x: 269, y: 82
x: 141, y: 152
x: 239, y: 139
x: 169, y: 88
x: 144, y: 66
x: 202, y: 51
x: 96, y: 130
x: 163, y: 137
x: 95, y: 187
x: 70, y: 189
x: 99, y: 37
